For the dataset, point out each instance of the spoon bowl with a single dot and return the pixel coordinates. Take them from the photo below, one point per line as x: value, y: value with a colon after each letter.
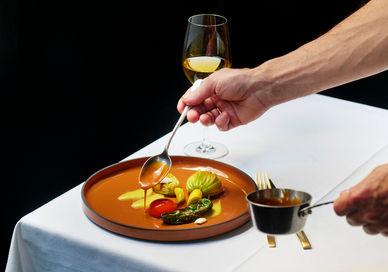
x: 154, y: 170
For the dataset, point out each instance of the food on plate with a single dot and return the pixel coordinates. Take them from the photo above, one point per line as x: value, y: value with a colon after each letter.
x: 133, y: 195
x: 216, y: 209
x: 161, y: 206
x: 179, y: 195
x: 195, y: 202
x: 188, y: 214
x: 140, y: 202
x: 206, y: 181
x: 200, y: 221
x: 194, y: 196
x: 167, y: 185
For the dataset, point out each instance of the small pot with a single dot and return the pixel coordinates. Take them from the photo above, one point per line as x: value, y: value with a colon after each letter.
x: 279, y: 219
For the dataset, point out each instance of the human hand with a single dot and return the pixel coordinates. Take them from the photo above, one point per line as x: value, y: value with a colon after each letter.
x: 366, y: 204
x: 226, y: 98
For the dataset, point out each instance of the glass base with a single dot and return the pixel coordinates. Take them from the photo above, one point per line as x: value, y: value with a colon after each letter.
x: 209, y: 150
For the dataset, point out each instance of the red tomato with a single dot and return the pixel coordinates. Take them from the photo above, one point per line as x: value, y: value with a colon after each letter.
x: 160, y: 206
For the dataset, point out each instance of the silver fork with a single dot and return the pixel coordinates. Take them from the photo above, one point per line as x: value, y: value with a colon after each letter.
x: 264, y: 182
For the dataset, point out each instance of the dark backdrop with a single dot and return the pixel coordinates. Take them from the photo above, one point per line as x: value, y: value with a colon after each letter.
x: 83, y: 84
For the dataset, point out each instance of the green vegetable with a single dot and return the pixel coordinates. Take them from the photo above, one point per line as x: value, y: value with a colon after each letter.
x: 188, y: 214
x: 167, y: 185
x: 206, y: 181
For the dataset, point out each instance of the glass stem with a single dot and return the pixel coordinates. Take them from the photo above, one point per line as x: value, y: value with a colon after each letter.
x: 205, y: 146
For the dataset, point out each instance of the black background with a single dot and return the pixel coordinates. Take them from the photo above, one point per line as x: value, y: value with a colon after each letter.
x: 84, y: 84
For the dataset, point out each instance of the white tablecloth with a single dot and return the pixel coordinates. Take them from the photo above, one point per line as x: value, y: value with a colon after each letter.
x: 316, y: 144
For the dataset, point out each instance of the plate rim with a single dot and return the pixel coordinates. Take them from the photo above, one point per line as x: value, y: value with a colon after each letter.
x: 94, y: 176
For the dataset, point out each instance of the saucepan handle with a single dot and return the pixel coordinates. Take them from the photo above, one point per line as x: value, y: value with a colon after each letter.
x: 307, y: 210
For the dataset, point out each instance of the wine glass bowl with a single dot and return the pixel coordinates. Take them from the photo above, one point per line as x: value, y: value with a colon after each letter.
x: 206, y: 49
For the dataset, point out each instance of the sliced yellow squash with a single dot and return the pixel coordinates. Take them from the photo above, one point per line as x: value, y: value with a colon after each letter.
x: 194, y: 196
x: 179, y: 194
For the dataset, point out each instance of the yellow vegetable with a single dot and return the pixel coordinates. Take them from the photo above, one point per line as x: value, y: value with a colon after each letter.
x: 140, y: 203
x: 167, y: 185
x: 194, y: 196
x: 216, y: 208
x: 134, y: 195
x: 179, y: 194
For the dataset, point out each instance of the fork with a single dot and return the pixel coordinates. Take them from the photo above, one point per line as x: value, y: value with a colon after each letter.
x: 264, y: 182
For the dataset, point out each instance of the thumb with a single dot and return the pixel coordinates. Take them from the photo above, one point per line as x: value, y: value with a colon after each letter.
x: 200, y: 90
x: 344, y: 203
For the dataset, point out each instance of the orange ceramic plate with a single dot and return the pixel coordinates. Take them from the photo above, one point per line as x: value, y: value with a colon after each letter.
x: 100, y: 203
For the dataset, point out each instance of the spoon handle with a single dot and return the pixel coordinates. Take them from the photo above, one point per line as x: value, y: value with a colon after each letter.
x: 183, y: 115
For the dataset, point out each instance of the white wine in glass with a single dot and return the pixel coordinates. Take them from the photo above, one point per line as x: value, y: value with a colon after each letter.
x: 206, y: 49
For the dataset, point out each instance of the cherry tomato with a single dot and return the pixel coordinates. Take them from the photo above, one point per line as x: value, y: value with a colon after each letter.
x: 160, y: 206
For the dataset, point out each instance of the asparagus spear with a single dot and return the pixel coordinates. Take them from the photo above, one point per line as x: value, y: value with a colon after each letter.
x: 188, y: 214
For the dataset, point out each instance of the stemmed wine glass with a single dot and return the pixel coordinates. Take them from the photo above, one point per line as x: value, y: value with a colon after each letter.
x: 206, y: 49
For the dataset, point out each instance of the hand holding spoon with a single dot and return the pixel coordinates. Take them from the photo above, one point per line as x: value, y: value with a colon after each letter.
x: 157, y: 167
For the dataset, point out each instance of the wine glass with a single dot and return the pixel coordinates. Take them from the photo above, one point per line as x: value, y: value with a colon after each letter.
x: 206, y: 49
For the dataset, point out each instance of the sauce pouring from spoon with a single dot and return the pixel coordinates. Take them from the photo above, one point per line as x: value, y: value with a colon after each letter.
x: 157, y: 167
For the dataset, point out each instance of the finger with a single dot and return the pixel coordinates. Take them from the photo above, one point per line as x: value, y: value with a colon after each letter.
x: 193, y: 114
x: 180, y: 106
x: 362, y: 217
x: 380, y: 227
x: 206, y: 119
x: 209, y: 118
x: 224, y: 106
x: 205, y: 90
x: 383, y: 225
x: 209, y: 104
x: 343, y: 205
x: 223, y: 121
x: 355, y: 219
x: 371, y: 229
x: 208, y: 112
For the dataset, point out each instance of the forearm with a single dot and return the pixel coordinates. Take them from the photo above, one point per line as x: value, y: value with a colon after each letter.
x: 354, y: 49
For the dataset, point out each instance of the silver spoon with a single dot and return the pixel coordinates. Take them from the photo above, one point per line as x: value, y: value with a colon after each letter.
x: 157, y: 167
